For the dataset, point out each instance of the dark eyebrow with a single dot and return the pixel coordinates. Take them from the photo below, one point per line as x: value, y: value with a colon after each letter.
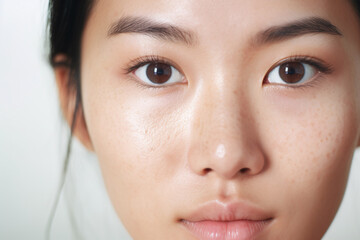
x: 301, y: 27
x: 163, y: 31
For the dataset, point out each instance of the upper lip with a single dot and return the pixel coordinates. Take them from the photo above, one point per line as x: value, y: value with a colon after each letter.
x: 231, y: 211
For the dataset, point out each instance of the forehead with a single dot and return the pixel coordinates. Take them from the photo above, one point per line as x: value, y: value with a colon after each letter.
x: 234, y: 12
x: 223, y: 20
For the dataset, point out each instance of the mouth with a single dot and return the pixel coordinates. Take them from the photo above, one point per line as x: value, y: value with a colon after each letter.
x: 220, y: 221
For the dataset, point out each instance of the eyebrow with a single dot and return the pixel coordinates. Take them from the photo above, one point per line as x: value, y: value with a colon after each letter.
x: 168, y: 32
x: 162, y: 31
x: 312, y: 25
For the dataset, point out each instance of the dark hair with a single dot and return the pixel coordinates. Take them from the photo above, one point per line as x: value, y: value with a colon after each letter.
x: 356, y: 4
x: 67, y: 19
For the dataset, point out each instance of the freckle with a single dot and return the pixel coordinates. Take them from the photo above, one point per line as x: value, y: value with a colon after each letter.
x: 319, y: 133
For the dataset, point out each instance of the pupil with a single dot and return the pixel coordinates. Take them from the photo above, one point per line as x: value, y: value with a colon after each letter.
x: 158, y: 73
x: 292, y: 72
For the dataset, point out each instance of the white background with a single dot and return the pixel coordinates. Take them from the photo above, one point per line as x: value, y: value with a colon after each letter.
x: 33, y: 139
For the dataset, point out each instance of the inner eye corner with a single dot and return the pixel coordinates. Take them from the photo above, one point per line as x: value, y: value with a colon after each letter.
x: 266, y: 78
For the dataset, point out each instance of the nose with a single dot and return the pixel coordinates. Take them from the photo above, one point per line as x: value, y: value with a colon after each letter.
x: 224, y: 136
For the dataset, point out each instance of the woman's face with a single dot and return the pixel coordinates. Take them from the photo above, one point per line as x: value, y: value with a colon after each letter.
x: 223, y: 119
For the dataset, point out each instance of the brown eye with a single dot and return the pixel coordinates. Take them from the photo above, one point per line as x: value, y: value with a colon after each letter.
x: 158, y: 74
x: 291, y: 73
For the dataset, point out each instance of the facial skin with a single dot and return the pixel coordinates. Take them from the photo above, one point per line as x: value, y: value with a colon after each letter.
x: 222, y: 133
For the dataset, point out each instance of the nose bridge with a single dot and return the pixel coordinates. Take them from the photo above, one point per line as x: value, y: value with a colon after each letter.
x: 222, y: 117
x: 223, y: 130
x: 220, y: 114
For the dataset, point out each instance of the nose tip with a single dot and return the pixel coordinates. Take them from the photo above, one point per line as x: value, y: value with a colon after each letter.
x: 228, y: 163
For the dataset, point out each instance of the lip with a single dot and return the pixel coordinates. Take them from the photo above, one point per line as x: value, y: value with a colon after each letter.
x: 227, y: 221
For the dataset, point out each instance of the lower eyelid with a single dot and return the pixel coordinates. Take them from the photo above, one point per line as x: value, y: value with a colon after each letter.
x: 315, y: 81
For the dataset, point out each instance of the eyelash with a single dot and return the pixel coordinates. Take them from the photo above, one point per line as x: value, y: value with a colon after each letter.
x: 320, y: 65
x: 142, y: 61
x: 315, y: 62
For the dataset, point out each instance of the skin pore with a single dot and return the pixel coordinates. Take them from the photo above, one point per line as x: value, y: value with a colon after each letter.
x: 224, y: 129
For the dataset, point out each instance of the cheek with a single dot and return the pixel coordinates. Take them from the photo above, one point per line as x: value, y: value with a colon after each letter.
x: 318, y: 151
x: 310, y: 149
x: 138, y: 141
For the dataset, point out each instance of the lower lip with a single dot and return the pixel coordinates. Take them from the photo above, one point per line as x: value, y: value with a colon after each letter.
x: 232, y: 230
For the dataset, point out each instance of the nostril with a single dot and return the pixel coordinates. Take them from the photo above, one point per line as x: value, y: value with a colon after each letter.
x: 207, y: 170
x: 244, y: 170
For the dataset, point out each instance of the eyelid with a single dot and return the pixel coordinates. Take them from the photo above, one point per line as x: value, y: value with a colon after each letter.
x: 319, y: 64
x: 143, y: 60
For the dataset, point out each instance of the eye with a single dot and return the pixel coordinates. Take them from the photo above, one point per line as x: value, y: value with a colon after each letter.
x: 158, y: 74
x: 289, y: 73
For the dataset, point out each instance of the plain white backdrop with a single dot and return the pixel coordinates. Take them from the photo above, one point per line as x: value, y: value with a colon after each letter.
x: 32, y: 147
